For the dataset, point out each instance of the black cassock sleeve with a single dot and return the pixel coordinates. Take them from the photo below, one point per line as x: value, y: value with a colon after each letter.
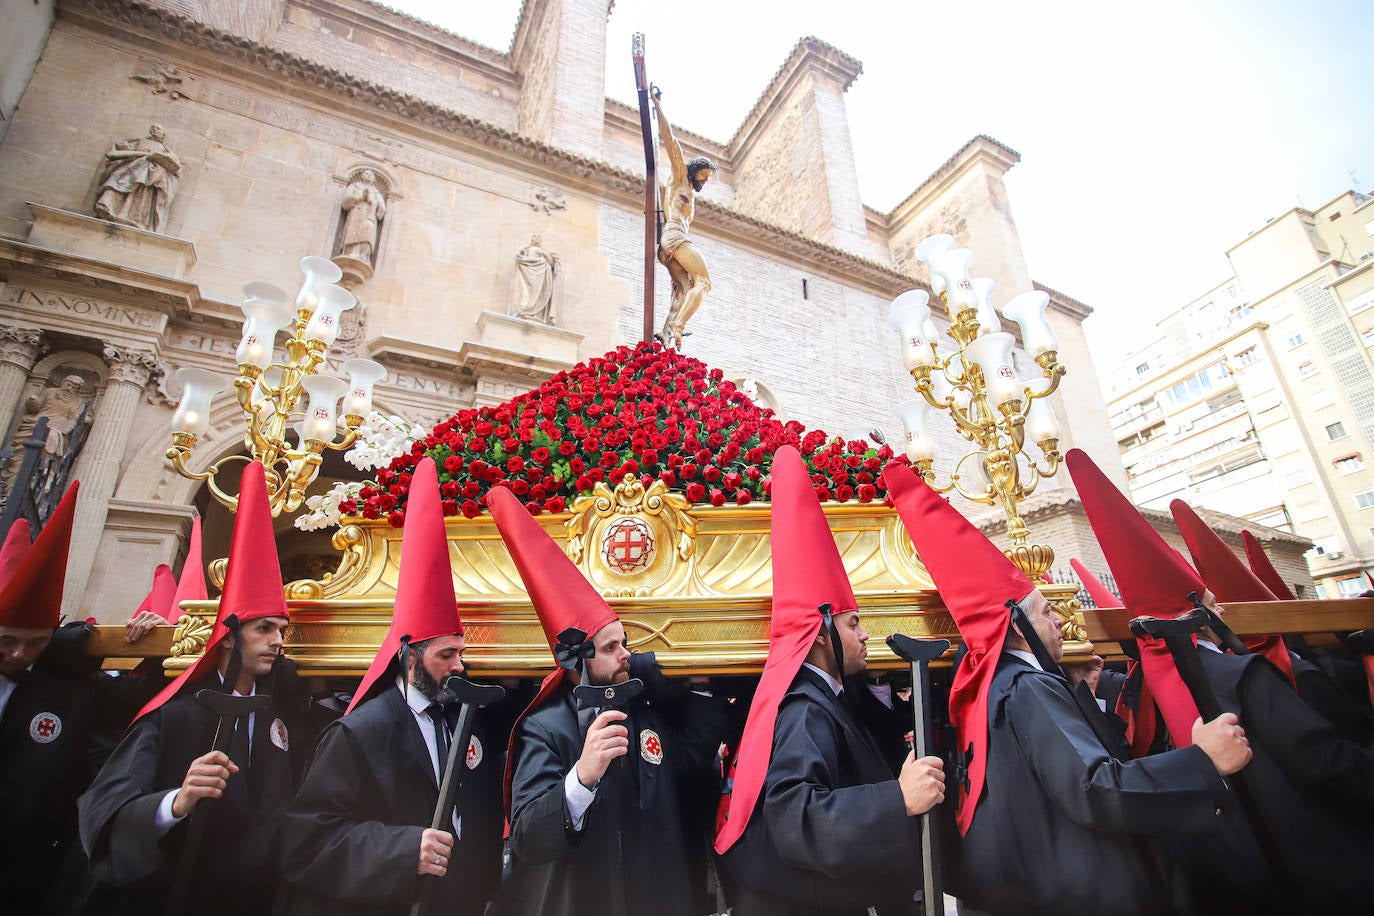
x: 331, y: 847
x: 819, y: 828
x: 541, y: 826
x: 117, y: 812
x: 1305, y: 745
x: 1178, y: 791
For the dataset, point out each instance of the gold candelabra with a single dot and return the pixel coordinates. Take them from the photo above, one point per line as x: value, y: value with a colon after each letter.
x: 976, y: 383
x: 270, y: 389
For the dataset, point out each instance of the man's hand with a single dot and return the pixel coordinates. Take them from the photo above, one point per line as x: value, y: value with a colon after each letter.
x: 1224, y: 741
x: 435, y: 848
x: 1090, y: 671
x: 922, y: 782
x: 605, y: 742
x: 655, y: 92
x: 141, y: 624
x: 206, y: 778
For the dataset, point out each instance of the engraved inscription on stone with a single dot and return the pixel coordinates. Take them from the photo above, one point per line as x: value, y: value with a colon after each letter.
x: 82, y: 305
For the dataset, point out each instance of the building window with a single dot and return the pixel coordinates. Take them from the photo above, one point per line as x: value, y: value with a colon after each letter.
x: 1326, y: 547
x: 1307, y: 370
x: 1246, y: 357
x: 1295, y: 340
x: 1365, y: 500
x: 1350, y: 587
x: 1231, y: 291
x: 1360, y: 303
x: 1298, y: 478
x: 1142, y: 368
x: 1349, y: 464
x: 1335, y: 431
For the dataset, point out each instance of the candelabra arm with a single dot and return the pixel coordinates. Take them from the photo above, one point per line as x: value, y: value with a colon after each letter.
x: 345, y: 443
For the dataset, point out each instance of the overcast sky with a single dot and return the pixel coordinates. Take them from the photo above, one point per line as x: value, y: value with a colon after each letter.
x: 1153, y: 136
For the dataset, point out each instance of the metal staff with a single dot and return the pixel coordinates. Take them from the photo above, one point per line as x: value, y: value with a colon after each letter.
x: 471, y: 698
x: 919, y: 653
x: 1178, y: 638
x: 228, y: 708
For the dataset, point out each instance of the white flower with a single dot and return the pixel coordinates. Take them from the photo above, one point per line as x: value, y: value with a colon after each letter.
x: 380, y: 439
x: 323, y: 510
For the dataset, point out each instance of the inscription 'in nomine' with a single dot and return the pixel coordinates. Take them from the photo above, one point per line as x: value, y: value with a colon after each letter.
x: 78, y: 305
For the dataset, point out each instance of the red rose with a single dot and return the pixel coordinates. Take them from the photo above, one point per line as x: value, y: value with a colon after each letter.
x: 554, y: 504
x: 397, y: 518
x: 513, y: 443
x: 450, y: 506
x: 717, y: 497
x: 688, y: 471
x: 453, y: 464
x: 630, y: 466
x: 733, y: 480
x: 471, y: 490
x: 711, y: 473
x: 867, y: 492
x: 540, y: 455
x: 742, y: 497
x: 649, y: 456
x: 583, y: 484
x: 591, y: 444
x: 607, y: 421
x: 478, y: 468
x: 450, y: 488
x: 519, y: 487
x: 753, y: 473
x: 566, y: 448
x: 516, y: 464
x: 845, y: 493
x: 695, y: 492
x: 533, y: 507
x: 386, y: 502
x: 609, y: 459
x: 703, y: 457
x: 577, y: 465
x: 668, y: 477
x: 470, y: 509
x: 823, y: 493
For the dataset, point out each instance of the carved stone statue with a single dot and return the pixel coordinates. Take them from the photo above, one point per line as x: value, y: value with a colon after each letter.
x: 61, y: 404
x: 139, y: 181
x: 365, y: 206
x: 531, y: 293
x: 691, y: 282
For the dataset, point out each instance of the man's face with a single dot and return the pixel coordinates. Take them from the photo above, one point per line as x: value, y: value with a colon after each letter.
x: 700, y: 177
x: 442, y: 657
x: 262, y: 641
x: 853, y: 639
x: 20, y: 647
x: 611, y: 663
x: 1045, y: 622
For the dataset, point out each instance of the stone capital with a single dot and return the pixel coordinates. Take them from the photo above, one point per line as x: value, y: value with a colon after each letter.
x: 21, y: 346
x: 131, y: 366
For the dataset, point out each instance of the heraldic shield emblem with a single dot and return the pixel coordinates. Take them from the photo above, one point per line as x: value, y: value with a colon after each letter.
x: 631, y: 541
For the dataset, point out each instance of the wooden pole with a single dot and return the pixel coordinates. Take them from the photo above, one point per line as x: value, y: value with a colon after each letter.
x: 646, y: 128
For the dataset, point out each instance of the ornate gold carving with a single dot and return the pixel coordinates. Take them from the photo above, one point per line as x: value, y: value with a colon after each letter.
x: 191, y: 635
x: 1032, y: 559
x: 1063, y: 600
x: 630, y: 559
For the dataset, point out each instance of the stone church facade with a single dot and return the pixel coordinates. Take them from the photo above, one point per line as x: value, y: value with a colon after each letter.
x: 274, y: 116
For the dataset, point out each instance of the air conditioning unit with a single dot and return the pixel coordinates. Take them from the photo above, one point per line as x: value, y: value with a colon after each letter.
x: 1333, y: 555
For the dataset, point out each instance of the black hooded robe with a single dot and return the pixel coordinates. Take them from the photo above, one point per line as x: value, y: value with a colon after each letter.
x: 829, y: 835
x: 237, y: 870
x: 630, y: 857
x: 352, y: 835
x: 1060, y: 822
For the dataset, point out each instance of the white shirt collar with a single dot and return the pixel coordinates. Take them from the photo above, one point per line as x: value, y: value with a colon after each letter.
x: 1208, y: 645
x: 416, y: 700
x: 251, y: 693
x: 1026, y: 657
x: 834, y: 684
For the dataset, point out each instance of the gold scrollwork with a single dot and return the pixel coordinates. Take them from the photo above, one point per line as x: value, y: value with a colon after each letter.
x: 671, y: 517
x: 191, y: 635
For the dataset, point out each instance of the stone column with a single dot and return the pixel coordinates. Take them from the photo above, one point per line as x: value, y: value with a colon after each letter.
x: 19, y: 350
x: 98, y: 468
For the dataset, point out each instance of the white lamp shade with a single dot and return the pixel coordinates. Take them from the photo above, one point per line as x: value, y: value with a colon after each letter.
x: 198, y: 389
x: 330, y: 303
x: 972, y: 472
x: 909, y: 316
x: 1028, y: 310
x: 952, y: 267
x: 932, y: 247
x: 983, y: 288
x: 363, y: 374
x: 992, y: 353
x: 265, y: 313
x: 318, y: 272
x: 913, y: 413
x: 943, y: 390
x: 1041, y: 423
x: 322, y: 405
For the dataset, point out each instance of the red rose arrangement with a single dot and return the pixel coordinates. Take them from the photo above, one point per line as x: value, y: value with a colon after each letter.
x: 641, y: 410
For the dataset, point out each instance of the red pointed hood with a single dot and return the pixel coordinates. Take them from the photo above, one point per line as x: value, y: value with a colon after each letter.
x: 975, y: 580
x: 32, y: 596
x: 807, y: 572
x: 561, y: 595
x: 160, y: 595
x: 191, y: 586
x: 17, y: 544
x: 425, y: 605
x: 1264, y: 569
x: 1102, y: 596
x: 1230, y: 580
x: 1154, y: 581
x: 252, y: 582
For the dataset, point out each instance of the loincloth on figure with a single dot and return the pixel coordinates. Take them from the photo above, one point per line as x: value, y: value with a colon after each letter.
x: 673, y: 236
